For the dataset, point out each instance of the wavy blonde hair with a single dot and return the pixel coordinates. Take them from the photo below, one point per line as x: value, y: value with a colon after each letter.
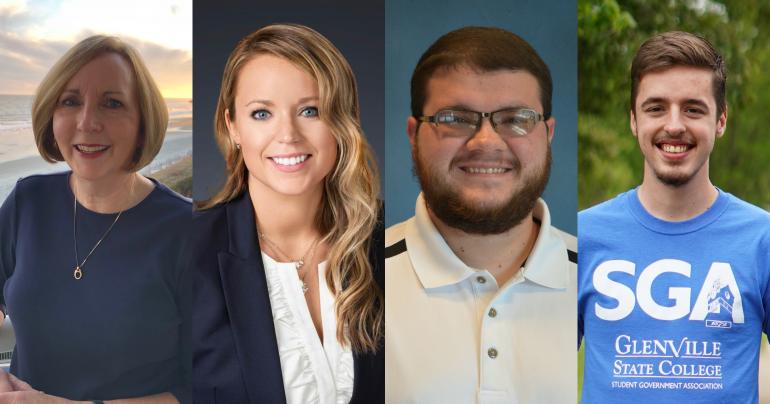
x: 349, y: 206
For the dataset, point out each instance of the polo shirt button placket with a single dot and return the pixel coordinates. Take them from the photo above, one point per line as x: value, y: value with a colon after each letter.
x: 492, y: 353
x: 492, y: 313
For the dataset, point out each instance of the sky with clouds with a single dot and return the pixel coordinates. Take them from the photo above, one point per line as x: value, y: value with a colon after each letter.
x: 34, y: 34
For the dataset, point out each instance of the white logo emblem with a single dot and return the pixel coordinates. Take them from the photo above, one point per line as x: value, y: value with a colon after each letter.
x: 719, y: 297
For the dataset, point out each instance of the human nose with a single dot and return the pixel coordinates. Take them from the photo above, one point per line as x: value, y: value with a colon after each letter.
x: 89, y: 119
x: 486, y: 137
x: 288, y: 130
x: 674, y: 124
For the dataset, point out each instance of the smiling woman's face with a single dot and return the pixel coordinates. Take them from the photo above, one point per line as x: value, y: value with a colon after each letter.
x: 96, y: 119
x: 286, y: 146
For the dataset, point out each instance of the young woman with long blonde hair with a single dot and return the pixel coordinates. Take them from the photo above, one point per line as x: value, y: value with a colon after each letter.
x: 288, y: 290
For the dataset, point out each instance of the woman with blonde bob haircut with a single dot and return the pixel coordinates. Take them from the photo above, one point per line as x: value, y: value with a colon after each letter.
x: 287, y: 257
x: 152, y: 107
x: 91, y: 267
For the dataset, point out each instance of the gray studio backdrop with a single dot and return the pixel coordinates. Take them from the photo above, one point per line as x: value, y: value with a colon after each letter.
x: 355, y: 27
x: 550, y: 26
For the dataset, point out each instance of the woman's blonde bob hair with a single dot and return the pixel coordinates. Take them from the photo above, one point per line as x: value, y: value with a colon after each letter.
x: 349, y: 207
x: 153, y: 113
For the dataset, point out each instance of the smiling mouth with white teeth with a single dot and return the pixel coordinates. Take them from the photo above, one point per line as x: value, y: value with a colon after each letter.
x: 290, y: 161
x: 674, y: 148
x: 90, y: 149
x: 485, y: 170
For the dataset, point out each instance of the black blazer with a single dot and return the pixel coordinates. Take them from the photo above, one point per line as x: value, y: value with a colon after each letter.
x: 235, y: 353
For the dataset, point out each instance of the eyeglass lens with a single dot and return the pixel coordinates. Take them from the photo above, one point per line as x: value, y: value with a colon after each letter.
x: 512, y: 122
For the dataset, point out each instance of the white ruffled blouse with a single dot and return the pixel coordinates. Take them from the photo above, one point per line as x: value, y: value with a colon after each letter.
x: 312, y: 372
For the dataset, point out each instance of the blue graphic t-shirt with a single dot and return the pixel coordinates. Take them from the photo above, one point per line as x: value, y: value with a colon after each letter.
x: 672, y: 312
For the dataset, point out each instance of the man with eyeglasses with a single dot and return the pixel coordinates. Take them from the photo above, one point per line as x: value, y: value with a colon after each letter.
x: 481, y: 297
x: 674, y: 275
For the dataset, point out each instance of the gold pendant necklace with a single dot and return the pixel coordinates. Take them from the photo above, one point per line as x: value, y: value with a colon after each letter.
x: 298, y: 264
x: 78, y: 272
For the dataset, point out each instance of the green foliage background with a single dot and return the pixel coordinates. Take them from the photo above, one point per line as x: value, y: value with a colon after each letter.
x: 610, y: 32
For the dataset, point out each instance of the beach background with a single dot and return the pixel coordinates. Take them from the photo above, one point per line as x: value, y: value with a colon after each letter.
x: 34, y: 34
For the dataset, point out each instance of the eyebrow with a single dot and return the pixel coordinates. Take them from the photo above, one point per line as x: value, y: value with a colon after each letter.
x: 689, y: 101
x: 463, y: 107
x: 270, y: 103
x: 77, y: 91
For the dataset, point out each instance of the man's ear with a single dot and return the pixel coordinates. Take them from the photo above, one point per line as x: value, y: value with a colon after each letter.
x: 412, y: 125
x: 550, y: 124
x: 632, y: 121
x: 722, y: 123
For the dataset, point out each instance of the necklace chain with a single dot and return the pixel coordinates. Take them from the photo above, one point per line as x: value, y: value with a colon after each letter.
x: 78, y: 272
x: 298, y: 264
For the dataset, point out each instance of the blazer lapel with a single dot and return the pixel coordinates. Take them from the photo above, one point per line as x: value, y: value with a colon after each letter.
x: 248, y: 304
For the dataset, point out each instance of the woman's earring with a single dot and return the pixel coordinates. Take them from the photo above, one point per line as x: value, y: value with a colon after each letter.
x: 238, y: 146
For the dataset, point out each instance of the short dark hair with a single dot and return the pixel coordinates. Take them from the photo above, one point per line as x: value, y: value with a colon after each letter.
x: 484, y: 49
x: 678, y: 48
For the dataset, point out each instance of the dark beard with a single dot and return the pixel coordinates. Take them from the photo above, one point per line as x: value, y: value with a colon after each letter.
x: 673, y: 181
x: 451, y: 209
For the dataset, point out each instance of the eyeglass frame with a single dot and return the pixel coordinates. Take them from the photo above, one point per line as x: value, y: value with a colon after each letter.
x: 432, y: 118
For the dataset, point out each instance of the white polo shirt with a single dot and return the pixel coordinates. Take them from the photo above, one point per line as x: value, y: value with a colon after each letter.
x: 453, y: 335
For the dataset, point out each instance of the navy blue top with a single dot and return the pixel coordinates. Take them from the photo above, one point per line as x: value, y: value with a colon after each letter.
x: 121, y: 331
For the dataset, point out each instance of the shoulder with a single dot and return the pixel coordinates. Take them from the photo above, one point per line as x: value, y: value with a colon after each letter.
x: 172, y: 197
x: 745, y: 220
x: 167, y: 197
x: 167, y: 210
x: 33, y: 185
x: 569, y: 240
x: 211, y: 218
x: 740, y: 208
x: 34, y: 193
x: 604, y: 212
x: 210, y: 228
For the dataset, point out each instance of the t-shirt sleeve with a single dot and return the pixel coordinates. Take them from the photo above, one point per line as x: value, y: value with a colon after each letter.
x: 8, y: 225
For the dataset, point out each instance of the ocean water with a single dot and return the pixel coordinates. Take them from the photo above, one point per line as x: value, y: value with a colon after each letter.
x: 15, y: 112
x: 18, y: 154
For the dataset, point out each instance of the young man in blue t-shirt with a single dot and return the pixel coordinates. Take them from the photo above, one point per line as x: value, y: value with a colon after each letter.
x: 674, y: 276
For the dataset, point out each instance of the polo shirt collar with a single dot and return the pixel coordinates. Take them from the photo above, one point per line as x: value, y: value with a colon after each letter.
x: 436, y: 265
x: 548, y: 263
x: 434, y: 262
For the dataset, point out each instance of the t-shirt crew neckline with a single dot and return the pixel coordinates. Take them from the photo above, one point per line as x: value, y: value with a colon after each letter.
x: 66, y: 185
x: 686, y: 226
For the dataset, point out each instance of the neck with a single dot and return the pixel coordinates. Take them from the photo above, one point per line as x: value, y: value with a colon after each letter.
x: 292, y: 227
x: 111, y: 195
x: 677, y: 203
x: 500, y: 254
